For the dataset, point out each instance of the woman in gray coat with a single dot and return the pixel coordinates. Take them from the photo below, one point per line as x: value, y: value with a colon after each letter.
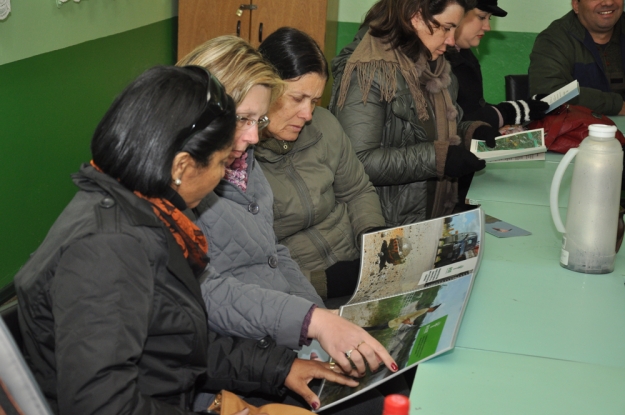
x: 238, y: 218
x: 110, y: 305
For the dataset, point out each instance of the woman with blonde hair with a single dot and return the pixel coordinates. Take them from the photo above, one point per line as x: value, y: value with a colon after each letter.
x: 238, y: 219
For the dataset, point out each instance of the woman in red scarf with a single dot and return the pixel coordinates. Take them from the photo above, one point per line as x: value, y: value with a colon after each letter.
x: 110, y: 305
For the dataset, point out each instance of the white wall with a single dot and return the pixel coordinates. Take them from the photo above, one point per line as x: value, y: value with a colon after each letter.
x: 38, y: 26
x: 523, y: 15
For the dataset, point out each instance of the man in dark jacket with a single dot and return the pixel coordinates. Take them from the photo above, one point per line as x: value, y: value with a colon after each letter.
x: 586, y: 44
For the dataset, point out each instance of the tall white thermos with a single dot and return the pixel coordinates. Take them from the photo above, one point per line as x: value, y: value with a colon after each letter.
x: 589, y: 240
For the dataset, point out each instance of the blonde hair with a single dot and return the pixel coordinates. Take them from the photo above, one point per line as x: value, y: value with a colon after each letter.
x: 237, y: 65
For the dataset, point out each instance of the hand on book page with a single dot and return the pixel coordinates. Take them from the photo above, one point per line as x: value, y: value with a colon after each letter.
x: 348, y: 344
x: 303, y: 371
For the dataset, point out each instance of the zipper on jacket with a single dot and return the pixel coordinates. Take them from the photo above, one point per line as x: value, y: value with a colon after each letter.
x: 302, y: 191
x: 324, y: 249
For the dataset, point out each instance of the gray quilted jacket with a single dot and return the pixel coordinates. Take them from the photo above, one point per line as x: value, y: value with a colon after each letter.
x: 243, y: 246
x: 395, y: 147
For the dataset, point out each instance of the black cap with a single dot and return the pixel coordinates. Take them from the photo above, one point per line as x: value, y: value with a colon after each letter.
x: 490, y: 6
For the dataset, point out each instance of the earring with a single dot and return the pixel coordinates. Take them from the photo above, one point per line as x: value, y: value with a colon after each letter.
x: 177, y: 182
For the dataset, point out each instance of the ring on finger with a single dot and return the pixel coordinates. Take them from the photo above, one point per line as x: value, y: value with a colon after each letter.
x: 348, y: 354
x: 359, y: 344
x: 332, y: 366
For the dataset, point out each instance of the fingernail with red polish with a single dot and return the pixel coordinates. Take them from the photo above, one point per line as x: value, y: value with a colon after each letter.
x: 315, y: 405
x: 394, y: 367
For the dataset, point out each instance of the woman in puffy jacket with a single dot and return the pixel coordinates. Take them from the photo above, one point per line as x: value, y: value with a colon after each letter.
x: 323, y: 200
x: 269, y: 295
x: 394, y: 96
x: 110, y: 305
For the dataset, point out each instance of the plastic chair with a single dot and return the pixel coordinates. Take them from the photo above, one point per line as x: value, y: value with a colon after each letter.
x: 517, y: 87
x: 17, y: 378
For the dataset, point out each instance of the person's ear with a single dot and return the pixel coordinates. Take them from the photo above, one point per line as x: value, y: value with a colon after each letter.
x: 182, y: 161
x: 418, y: 23
x: 575, y: 5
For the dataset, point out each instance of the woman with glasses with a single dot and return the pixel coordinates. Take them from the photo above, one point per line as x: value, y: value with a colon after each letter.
x: 110, y: 304
x: 238, y: 215
x: 394, y: 96
x: 238, y: 220
x: 323, y: 200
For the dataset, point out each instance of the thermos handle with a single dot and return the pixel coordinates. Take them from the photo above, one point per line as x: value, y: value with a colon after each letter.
x: 555, y: 188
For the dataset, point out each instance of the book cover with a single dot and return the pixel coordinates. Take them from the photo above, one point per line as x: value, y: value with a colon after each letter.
x: 511, y: 145
x: 562, y: 95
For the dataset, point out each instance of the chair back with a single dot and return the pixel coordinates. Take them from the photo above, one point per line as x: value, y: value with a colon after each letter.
x: 517, y: 87
x: 17, y: 379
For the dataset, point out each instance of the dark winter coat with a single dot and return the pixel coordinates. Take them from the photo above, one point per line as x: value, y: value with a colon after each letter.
x: 396, y: 148
x: 565, y: 51
x: 113, y: 318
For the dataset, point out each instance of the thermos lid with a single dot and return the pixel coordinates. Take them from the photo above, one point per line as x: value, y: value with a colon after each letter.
x: 602, y: 131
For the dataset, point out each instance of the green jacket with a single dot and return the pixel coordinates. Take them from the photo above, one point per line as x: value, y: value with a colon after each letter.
x: 395, y: 147
x: 565, y: 51
x: 323, y: 200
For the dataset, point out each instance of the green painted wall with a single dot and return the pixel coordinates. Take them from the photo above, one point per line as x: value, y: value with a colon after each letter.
x: 50, y: 105
x: 38, y: 26
x: 503, y: 51
x: 523, y: 15
x: 62, y: 66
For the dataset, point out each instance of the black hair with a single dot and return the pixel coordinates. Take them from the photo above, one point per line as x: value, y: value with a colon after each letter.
x: 391, y: 20
x: 293, y: 53
x: 143, y: 130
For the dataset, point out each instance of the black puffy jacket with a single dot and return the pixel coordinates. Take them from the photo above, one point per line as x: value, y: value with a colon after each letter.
x: 113, y: 318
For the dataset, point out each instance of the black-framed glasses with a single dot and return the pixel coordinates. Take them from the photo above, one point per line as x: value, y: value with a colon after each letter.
x: 216, y: 103
x: 246, y: 123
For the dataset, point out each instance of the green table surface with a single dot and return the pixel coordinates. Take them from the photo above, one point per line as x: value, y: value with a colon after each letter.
x: 526, y: 182
x: 524, y: 302
x: 535, y: 338
x: 466, y: 381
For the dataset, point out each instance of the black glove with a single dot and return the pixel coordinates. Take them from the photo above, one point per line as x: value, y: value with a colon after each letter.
x: 461, y: 162
x: 486, y: 133
x: 521, y: 111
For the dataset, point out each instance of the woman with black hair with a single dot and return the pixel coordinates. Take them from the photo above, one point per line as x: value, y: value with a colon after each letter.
x: 110, y: 305
x: 323, y: 200
x: 394, y: 96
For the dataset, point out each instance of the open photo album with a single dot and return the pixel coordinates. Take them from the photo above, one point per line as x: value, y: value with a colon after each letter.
x: 414, y: 286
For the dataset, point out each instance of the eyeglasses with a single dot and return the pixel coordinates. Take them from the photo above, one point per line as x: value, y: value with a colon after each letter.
x: 245, y: 123
x: 216, y: 103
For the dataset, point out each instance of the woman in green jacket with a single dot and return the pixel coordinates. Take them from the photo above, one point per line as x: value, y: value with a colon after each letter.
x: 394, y: 96
x: 323, y: 200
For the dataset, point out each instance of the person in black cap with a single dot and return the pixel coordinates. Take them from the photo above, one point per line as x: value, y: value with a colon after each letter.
x: 466, y: 68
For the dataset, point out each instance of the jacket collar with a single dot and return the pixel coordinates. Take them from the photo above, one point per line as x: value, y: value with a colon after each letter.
x: 140, y: 213
x: 232, y: 191
x: 270, y: 150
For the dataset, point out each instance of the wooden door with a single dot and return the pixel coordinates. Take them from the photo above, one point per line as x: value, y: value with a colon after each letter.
x: 200, y: 20
x: 306, y: 15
